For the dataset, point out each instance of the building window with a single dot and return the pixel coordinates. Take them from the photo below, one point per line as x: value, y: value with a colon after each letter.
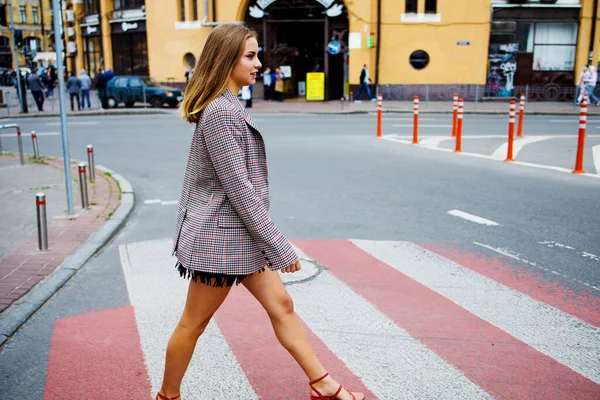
x: 182, y: 10
x: 91, y: 7
x: 92, y: 48
x: 411, y: 6
x: 431, y: 6
x: 128, y: 4
x: 34, y: 15
x: 23, y: 12
x: 195, y: 9
x: 554, y: 46
x: 130, y: 54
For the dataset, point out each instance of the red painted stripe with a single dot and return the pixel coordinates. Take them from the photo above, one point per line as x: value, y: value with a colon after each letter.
x: 581, y: 304
x: 97, y: 356
x: 41, y: 203
x: 271, y: 370
x: 500, y: 364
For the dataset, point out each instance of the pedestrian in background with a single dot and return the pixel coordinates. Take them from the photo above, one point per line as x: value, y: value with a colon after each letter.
x: 74, y: 87
x: 101, y: 89
x: 267, y: 84
x: 36, y: 85
x: 51, y: 73
x: 591, y: 85
x: 86, y: 83
x: 582, y: 84
x: 364, y: 84
x: 278, y: 85
x: 224, y: 233
x: 247, y: 95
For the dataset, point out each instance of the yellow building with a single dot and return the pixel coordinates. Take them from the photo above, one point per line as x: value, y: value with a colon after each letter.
x: 34, y: 19
x: 498, y: 47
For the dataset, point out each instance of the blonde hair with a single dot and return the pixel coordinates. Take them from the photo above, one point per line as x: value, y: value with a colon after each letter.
x: 222, y: 50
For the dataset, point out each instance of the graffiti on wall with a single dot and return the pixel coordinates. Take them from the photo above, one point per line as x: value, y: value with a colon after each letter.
x: 502, y: 66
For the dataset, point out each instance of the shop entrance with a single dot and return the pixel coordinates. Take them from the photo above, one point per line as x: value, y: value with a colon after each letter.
x: 295, y: 35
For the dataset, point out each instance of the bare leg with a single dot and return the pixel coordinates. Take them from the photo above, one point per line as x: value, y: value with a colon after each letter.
x: 202, y: 302
x: 269, y: 290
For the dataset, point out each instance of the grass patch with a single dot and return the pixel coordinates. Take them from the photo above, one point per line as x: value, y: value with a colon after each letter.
x: 39, y: 188
x: 93, y: 203
x: 7, y: 154
x: 110, y: 215
x: 107, y: 173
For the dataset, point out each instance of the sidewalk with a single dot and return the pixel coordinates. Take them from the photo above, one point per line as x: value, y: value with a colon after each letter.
x: 299, y: 105
x: 52, y: 108
x: 488, y: 107
x: 28, y: 277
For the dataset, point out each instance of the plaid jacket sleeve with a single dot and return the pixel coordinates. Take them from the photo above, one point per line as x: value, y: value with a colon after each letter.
x: 228, y: 158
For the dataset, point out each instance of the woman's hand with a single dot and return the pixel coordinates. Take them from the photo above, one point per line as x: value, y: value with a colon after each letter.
x: 293, y: 267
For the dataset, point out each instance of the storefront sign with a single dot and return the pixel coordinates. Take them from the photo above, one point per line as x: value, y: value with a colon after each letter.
x: 131, y: 26
x: 463, y: 43
x: 257, y: 11
x: 315, y: 86
x: 91, y: 30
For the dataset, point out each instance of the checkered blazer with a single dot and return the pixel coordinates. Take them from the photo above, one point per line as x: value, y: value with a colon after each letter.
x: 223, y: 225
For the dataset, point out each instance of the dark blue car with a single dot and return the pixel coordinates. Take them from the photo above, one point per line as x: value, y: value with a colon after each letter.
x: 139, y: 89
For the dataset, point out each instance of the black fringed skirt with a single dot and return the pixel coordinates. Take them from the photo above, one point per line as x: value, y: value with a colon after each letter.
x: 211, y: 279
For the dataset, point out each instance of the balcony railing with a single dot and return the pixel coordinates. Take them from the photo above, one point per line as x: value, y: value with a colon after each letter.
x: 128, y: 4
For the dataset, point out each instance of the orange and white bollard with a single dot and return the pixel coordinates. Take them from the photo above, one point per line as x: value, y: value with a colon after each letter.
x: 416, y: 121
x: 459, y: 125
x: 581, y: 140
x: 379, y: 112
x: 511, y: 130
x: 521, y: 116
x: 454, y: 114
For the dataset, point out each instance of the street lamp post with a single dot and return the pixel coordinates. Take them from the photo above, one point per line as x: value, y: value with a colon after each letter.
x: 58, y: 46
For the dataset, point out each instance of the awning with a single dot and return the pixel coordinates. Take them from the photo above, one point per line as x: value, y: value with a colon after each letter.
x: 44, y: 55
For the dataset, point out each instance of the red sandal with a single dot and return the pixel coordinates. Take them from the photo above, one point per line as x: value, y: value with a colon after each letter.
x: 163, y: 397
x: 333, y: 397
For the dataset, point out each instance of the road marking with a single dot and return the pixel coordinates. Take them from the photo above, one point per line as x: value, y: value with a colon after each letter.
x: 574, y: 121
x: 552, y: 244
x: 434, y: 141
x: 472, y: 218
x: 422, y: 126
x: 397, y: 138
x: 501, y: 152
x: 567, y: 339
x: 74, y: 123
x: 596, y: 157
x: 517, y: 257
x: 162, y: 202
x: 29, y: 134
x: 213, y: 359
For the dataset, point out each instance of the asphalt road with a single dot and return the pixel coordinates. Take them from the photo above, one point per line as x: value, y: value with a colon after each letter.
x: 331, y: 179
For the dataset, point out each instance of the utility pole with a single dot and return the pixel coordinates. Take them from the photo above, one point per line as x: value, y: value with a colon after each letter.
x: 12, y: 30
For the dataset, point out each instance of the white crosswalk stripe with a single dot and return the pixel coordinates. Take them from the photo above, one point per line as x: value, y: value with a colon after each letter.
x: 384, y: 354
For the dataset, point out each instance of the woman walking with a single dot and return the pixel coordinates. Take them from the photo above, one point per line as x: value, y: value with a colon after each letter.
x: 224, y: 233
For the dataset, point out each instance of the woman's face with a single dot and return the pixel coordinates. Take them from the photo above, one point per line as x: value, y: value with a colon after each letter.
x: 245, y: 70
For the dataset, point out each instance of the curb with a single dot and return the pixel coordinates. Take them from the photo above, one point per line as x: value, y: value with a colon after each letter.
x: 21, y: 310
x: 90, y: 114
x: 472, y: 112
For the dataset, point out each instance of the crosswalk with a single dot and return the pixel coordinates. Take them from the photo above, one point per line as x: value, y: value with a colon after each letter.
x: 393, y: 319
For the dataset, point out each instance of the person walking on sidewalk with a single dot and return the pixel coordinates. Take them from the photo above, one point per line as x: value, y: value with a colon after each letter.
x: 582, y: 84
x: 591, y: 85
x: 74, y: 87
x: 34, y: 81
x: 86, y: 83
x: 224, y: 233
x: 364, y: 84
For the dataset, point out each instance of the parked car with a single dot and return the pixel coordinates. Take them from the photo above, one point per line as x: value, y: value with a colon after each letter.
x: 132, y: 89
